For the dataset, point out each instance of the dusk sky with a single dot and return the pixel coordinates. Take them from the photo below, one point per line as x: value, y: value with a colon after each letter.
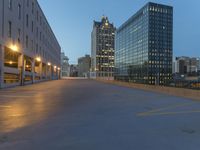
x: 72, y: 22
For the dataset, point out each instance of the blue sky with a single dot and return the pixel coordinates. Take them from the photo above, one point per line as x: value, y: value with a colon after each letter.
x: 72, y: 21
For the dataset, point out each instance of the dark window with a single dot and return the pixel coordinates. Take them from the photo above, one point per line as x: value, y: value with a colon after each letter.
x: 9, y: 29
x: 36, y: 48
x: 32, y: 7
x: 40, y: 20
x: 32, y: 25
x: 32, y: 47
x: 37, y: 15
x: 19, y: 11
x: 40, y: 50
x: 37, y: 32
x: 27, y: 20
x: 27, y: 3
x: 27, y: 41
x: 40, y: 35
x: 19, y: 35
x: 10, y: 4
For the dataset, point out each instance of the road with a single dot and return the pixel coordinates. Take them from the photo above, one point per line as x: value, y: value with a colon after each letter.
x: 90, y: 115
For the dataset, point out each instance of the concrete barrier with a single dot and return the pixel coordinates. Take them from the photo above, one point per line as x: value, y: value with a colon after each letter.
x: 180, y: 92
x: 74, y: 78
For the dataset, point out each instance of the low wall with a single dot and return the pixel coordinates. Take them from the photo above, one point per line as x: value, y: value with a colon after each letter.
x: 180, y: 92
x: 105, y: 78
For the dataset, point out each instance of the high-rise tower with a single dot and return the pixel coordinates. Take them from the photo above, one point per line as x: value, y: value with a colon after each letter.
x: 144, y: 46
x: 102, y: 52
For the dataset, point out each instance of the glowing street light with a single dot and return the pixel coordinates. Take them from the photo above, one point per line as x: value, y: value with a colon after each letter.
x: 59, y: 69
x: 49, y: 64
x: 55, y: 67
x: 38, y: 59
x: 14, y: 48
x: 10, y: 62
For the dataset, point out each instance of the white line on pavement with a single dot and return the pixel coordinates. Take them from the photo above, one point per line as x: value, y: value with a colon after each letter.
x: 4, y: 106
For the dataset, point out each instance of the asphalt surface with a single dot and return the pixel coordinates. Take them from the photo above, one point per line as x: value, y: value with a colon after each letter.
x: 90, y: 115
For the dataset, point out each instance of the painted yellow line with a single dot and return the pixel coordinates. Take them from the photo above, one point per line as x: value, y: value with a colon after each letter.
x: 164, y: 108
x: 171, y: 113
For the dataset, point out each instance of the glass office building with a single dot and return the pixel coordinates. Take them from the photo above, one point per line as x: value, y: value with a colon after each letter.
x: 144, y: 46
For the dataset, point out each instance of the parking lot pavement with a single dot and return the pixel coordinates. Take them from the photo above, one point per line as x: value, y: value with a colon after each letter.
x: 86, y: 114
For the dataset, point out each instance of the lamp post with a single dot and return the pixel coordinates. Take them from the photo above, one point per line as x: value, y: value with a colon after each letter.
x: 39, y: 60
x: 58, y: 73
x: 49, y: 70
x: 15, y: 49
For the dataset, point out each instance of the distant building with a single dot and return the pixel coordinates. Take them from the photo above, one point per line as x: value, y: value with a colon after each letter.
x: 144, y: 46
x: 84, y: 64
x: 65, y: 67
x: 188, y: 66
x: 73, y: 70
x: 102, y: 53
x: 199, y: 66
x: 174, y: 67
x: 29, y: 50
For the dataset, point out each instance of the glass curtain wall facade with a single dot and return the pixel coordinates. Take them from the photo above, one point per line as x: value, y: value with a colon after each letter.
x: 144, y: 47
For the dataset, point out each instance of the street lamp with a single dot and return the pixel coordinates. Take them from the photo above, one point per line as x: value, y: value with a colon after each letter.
x: 14, y: 48
x: 49, y: 64
x: 10, y: 62
x: 38, y: 59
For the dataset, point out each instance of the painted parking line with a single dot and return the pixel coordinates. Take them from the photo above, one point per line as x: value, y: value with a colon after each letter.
x: 173, y: 113
x: 5, y: 106
x: 16, y: 96
x: 159, y: 110
x: 16, y: 115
